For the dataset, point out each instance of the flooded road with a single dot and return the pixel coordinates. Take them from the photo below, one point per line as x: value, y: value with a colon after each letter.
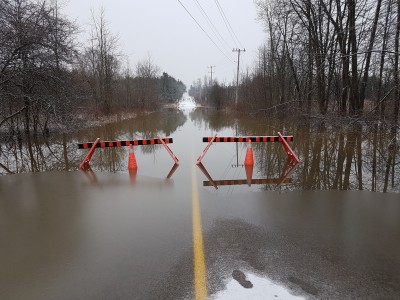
x: 108, y: 234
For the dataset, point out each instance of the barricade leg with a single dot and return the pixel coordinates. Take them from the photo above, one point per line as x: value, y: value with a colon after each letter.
x: 88, y: 157
x: 205, y: 172
x: 288, y: 169
x: 288, y: 150
x: 87, y: 170
x: 176, y: 160
x: 205, y: 150
x: 172, y: 171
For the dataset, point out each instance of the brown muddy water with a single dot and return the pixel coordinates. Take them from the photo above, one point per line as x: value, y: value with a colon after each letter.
x: 330, y: 230
x: 352, y: 157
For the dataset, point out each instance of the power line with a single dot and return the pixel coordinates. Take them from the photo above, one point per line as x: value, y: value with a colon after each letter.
x: 227, y: 24
x: 212, y: 26
x: 205, y: 32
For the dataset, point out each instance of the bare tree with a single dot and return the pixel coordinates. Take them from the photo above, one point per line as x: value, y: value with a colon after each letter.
x: 340, y: 40
x: 103, y: 63
x: 146, y: 83
x: 36, y: 48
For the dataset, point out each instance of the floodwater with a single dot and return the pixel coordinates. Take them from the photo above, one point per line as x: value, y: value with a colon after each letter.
x: 328, y: 227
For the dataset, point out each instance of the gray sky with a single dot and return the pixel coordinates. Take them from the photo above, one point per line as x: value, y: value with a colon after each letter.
x: 165, y: 31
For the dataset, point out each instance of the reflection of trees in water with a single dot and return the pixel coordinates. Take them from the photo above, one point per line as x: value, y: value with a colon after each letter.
x: 161, y: 123
x: 61, y: 153
x: 353, y: 157
x: 211, y: 119
x: 38, y: 155
x: 143, y: 127
x: 344, y: 157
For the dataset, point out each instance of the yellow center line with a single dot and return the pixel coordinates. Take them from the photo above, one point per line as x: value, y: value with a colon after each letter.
x: 200, y: 276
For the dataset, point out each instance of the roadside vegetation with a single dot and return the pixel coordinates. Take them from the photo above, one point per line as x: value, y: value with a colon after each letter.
x: 320, y: 58
x: 50, y: 83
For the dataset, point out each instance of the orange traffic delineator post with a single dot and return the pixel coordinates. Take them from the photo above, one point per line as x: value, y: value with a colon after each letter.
x: 132, y: 165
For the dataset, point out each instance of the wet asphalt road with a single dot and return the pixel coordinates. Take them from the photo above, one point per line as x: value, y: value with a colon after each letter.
x: 64, y: 235
x: 65, y: 238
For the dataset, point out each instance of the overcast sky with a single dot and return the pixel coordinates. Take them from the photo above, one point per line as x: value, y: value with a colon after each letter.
x: 164, y: 30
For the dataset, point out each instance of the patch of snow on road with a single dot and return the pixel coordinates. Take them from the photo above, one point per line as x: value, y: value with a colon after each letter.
x: 187, y: 102
x: 262, y: 288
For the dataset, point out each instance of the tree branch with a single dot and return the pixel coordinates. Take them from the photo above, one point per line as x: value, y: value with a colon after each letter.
x: 12, y: 116
x: 6, y: 169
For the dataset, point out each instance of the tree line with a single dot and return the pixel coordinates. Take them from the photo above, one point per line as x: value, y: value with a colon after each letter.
x: 46, y: 79
x: 326, y: 56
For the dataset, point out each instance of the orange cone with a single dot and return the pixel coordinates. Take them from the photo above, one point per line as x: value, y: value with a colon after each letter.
x: 132, y: 165
x: 249, y: 159
x: 249, y: 174
x: 132, y: 175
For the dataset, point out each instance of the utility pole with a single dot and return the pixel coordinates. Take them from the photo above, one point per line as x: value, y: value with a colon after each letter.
x: 211, y: 67
x: 237, y: 74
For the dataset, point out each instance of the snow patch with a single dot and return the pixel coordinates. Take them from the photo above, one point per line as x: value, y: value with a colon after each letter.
x: 263, y: 288
x: 187, y: 102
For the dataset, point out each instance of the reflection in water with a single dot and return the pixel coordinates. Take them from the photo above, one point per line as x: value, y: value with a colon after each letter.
x: 172, y: 171
x: 39, y: 154
x: 63, y: 238
x: 31, y: 214
x: 345, y: 157
x: 348, y: 158
x: 289, y: 167
x: 207, y: 118
x: 87, y: 170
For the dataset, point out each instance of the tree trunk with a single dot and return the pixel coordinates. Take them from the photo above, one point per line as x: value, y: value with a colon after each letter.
x: 382, y: 60
x: 354, y: 95
x: 369, y: 53
x: 396, y: 67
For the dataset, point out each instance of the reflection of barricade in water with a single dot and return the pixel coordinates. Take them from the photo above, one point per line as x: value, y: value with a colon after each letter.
x: 132, y: 165
x: 288, y: 169
x: 93, y: 179
x: 249, y: 159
